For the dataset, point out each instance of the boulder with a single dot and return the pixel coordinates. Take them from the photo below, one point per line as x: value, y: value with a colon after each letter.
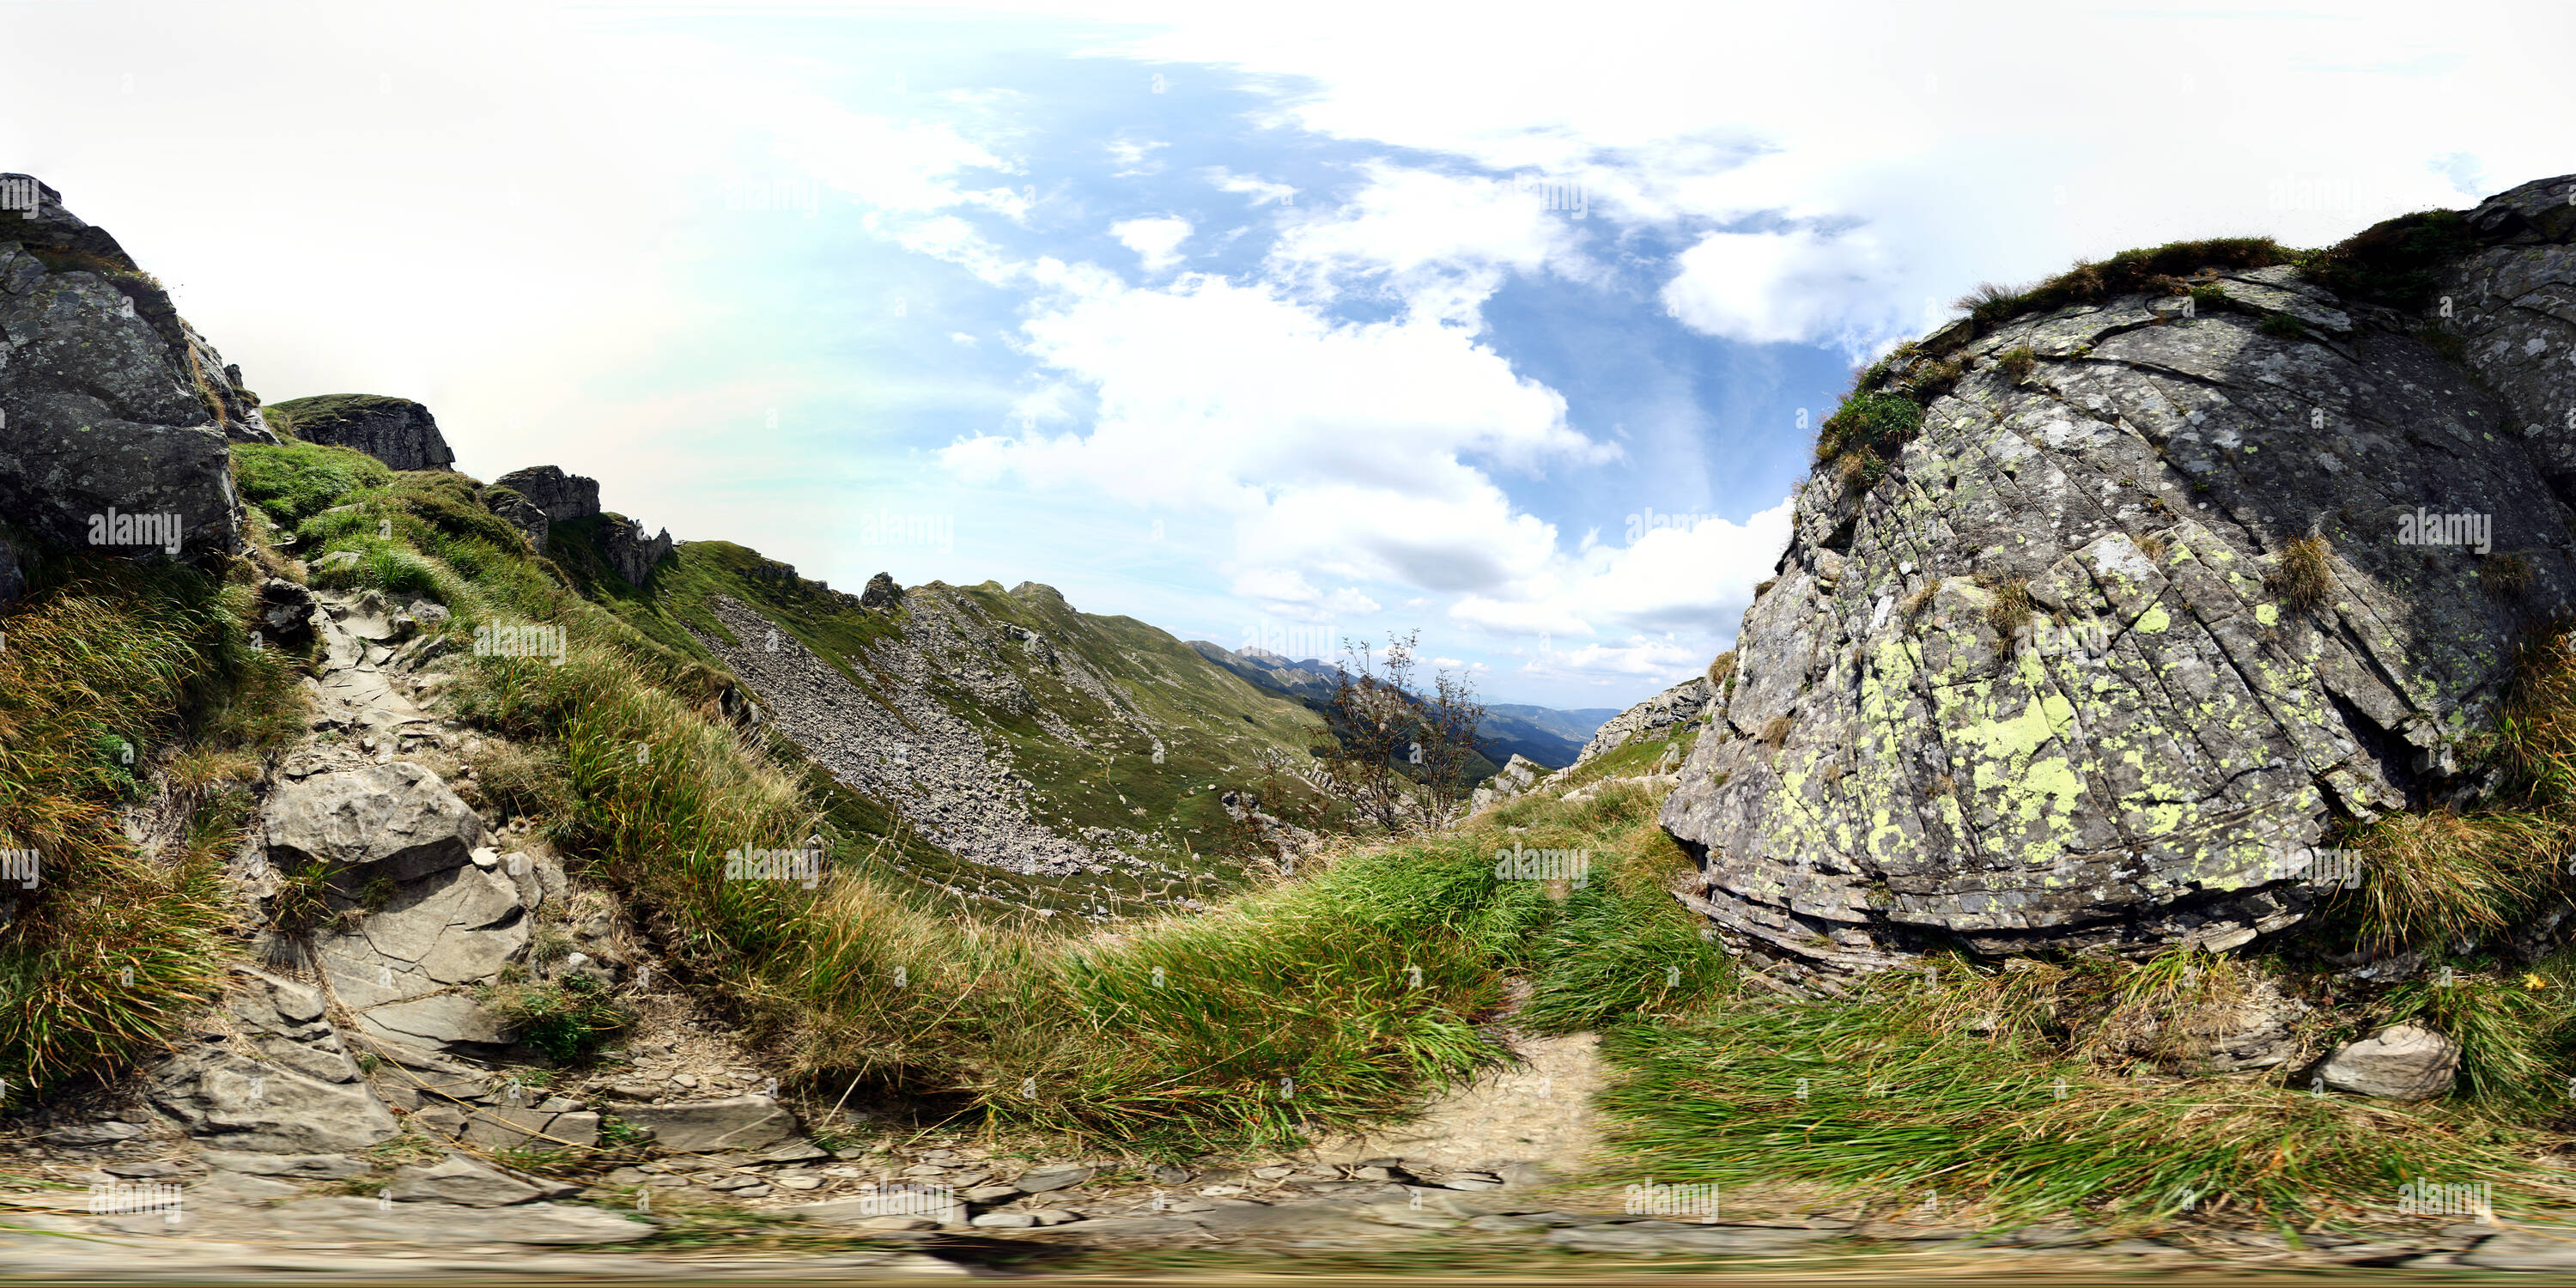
x: 397, y: 431
x: 397, y: 820
x: 882, y: 594
x: 742, y: 1122
x: 286, y: 612
x: 230, y: 1102
x: 115, y: 409
x: 2401, y: 1062
x: 2036, y: 684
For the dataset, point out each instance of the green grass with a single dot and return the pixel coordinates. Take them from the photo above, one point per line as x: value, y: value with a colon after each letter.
x: 292, y: 482
x: 2158, y: 269
x: 114, y: 952
x: 1955, y: 1087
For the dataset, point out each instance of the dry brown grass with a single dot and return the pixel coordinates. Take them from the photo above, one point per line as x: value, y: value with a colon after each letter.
x: 2305, y: 577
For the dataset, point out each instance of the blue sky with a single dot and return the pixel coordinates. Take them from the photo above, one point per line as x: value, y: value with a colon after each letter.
x: 1271, y: 326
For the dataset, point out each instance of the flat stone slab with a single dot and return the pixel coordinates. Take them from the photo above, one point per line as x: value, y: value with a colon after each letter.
x: 738, y: 1122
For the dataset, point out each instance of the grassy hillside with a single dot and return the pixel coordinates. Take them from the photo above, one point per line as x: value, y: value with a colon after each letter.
x: 1214, y: 728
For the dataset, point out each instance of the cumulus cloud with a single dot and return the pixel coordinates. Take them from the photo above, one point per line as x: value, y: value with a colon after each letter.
x: 1156, y: 240
x: 1798, y: 286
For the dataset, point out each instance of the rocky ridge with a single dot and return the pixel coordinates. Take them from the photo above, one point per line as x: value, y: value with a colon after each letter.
x: 397, y: 431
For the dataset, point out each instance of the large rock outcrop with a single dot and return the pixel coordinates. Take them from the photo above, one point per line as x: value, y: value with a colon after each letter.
x: 397, y: 431
x: 2051, y: 681
x: 116, y: 417
x: 541, y: 497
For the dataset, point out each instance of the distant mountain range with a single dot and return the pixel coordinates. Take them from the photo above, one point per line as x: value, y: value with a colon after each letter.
x: 1544, y: 734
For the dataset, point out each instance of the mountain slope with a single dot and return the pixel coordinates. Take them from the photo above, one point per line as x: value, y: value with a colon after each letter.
x: 1073, y: 762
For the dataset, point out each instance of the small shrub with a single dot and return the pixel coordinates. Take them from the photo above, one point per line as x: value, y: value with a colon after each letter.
x: 2395, y: 262
x: 568, y: 1020
x: 2017, y: 364
x: 2506, y: 578
x: 2010, y: 610
x: 1879, y: 423
x: 1775, y: 732
x: 1990, y: 301
x: 2305, y: 577
x: 1721, y: 674
x: 2208, y: 297
x: 302, y: 901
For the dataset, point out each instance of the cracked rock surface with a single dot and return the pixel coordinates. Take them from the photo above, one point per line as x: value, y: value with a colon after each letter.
x: 2131, y: 766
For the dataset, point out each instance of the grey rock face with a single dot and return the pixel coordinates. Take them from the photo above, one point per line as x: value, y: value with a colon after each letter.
x: 231, y: 1102
x: 396, y: 819
x: 2402, y: 1062
x: 538, y: 499
x: 2131, y: 766
x: 109, y: 407
x: 13, y: 579
x: 882, y: 594
x: 397, y: 431
x: 1679, y: 704
x: 558, y: 495
x: 741, y: 1122
x: 631, y: 552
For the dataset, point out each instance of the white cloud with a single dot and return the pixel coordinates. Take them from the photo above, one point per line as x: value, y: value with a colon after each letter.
x: 1696, y: 579
x: 1135, y: 158
x: 1928, y: 137
x: 1442, y: 241
x: 1157, y: 240
x: 1262, y: 191
x: 1787, y: 287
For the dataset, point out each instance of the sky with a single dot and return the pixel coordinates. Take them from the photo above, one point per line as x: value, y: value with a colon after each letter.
x: 1277, y: 326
